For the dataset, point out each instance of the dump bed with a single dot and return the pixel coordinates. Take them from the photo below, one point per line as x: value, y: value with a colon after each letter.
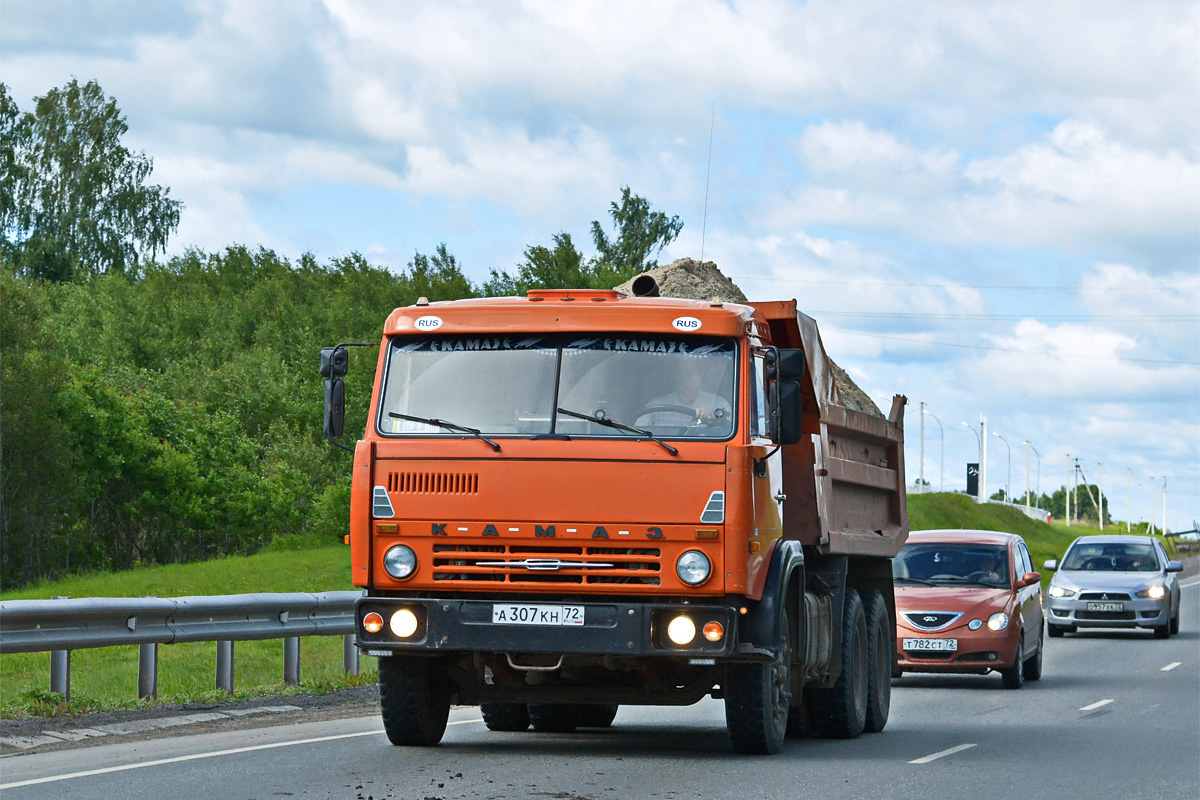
x: 845, y: 482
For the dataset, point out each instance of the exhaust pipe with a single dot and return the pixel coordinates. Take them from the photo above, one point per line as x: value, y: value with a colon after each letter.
x: 645, y: 286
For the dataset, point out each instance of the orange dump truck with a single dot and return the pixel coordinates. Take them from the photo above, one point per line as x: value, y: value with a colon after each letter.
x: 579, y: 499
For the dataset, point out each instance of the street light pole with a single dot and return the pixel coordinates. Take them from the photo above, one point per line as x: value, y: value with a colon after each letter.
x: 1038, y: 486
x: 942, y: 461
x: 1129, y: 499
x: 1067, y: 488
x: 979, y: 485
x: 1007, y: 486
x: 921, y: 471
x: 1100, y: 490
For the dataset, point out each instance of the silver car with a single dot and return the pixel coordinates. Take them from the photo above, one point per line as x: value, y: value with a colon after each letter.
x: 1114, y: 582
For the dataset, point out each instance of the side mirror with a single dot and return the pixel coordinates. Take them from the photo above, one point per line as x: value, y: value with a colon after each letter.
x: 334, y: 362
x: 1029, y: 579
x: 1174, y: 566
x: 335, y: 407
x: 1051, y: 565
x: 783, y: 365
x: 787, y: 413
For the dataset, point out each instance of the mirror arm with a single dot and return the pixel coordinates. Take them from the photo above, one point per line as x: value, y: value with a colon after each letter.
x: 336, y: 443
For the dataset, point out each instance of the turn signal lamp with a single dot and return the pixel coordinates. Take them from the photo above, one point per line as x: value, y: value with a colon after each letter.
x: 404, y: 623
x: 373, y: 623
x: 713, y: 631
x: 681, y: 630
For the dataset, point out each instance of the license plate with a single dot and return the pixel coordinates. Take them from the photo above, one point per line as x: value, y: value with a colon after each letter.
x: 1105, y: 606
x: 522, y: 614
x: 930, y: 644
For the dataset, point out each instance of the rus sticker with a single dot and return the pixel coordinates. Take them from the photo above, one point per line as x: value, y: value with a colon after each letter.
x: 428, y: 323
x: 686, y: 324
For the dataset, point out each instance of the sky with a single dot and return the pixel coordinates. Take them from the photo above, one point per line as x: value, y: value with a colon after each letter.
x: 992, y: 208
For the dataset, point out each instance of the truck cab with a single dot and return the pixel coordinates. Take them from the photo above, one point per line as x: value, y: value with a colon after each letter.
x: 579, y: 499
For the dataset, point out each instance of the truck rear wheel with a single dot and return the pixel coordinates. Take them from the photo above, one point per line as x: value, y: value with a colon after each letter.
x: 414, y: 701
x: 880, y: 645
x: 594, y: 716
x: 758, y: 698
x: 553, y: 717
x: 505, y: 716
x: 841, y: 710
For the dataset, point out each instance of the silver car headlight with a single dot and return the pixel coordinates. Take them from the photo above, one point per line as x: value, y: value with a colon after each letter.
x: 1154, y: 592
x: 1059, y: 591
x: 693, y: 567
x: 998, y: 621
x: 400, y: 562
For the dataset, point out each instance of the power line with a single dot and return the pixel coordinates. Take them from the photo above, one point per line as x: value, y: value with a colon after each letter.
x: 1013, y: 287
x: 1039, y: 317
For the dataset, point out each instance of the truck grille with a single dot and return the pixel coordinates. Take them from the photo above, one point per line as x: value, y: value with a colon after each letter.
x: 627, y: 565
x: 433, y: 482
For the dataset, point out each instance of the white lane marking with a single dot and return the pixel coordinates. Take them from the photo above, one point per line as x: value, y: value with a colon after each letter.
x: 942, y: 754
x: 1096, y: 705
x: 196, y: 756
x: 1192, y: 582
x: 1171, y: 666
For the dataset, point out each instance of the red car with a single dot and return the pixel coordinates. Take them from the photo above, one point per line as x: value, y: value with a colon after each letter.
x: 969, y: 602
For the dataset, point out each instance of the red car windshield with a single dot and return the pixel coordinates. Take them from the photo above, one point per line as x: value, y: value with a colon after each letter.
x: 948, y: 563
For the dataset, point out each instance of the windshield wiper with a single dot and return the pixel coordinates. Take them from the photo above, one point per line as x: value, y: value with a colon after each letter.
x: 441, y: 423
x: 916, y: 580
x: 609, y: 423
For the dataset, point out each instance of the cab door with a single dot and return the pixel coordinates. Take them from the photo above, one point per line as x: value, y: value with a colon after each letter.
x: 1030, y: 600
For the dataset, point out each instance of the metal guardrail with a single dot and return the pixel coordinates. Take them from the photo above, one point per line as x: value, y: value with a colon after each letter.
x: 61, y: 625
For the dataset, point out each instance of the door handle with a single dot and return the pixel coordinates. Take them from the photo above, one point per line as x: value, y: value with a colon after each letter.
x: 780, y: 496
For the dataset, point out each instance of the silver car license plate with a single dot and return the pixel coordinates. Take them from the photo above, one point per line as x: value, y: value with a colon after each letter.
x: 1105, y: 606
x: 536, y: 614
x: 930, y: 644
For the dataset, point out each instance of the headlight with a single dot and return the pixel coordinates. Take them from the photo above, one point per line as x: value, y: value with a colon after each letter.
x: 681, y: 630
x: 400, y: 562
x: 1154, y: 592
x: 998, y: 621
x: 1058, y: 591
x: 693, y: 568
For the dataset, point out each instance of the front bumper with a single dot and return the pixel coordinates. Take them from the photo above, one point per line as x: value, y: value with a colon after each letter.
x: 466, y: 626
x: 1136, y: 613
x: 978, y: 651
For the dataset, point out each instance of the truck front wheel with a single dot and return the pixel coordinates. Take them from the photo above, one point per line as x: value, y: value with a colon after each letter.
x: 841, y: 710
x: 758, y: 698
x: 414, y: 701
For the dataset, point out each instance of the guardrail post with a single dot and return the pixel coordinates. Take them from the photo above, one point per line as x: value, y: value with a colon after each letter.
x: 60, y: 673
x: 148, y: 672
x: 225, y: 666
x: 60, y: 666
x: 291, y: 660
x: 349, y: 654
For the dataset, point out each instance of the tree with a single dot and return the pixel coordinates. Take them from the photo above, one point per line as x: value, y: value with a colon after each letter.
x: 74, y: 199
x: 640, y: 236
x: 438, y: 277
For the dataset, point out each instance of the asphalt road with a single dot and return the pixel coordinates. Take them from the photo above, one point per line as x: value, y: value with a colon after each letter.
x: 1116, y: 715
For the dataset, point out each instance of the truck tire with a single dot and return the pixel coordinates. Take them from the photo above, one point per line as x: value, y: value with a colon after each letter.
x: 553, y: 717
x: 414, y: 701
x: 758, y: 698
x: 1014, y: 677
x: 799, y: 722
x: 840, y: 711
x: 505, y: 716
x: 880, y: 645
x: 596, y: 716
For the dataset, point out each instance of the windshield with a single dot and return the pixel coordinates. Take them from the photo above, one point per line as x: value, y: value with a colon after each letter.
x: 949, y: 563
x: 671, y: 387
x: 1111, y: 557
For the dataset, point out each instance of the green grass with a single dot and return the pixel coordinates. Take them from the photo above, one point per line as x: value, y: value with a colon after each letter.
x: 106, y: 678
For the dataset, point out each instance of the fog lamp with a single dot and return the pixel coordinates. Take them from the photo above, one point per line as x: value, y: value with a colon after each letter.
x: 373, y: 623
x: 681, y: 630
x: 404, y: 623
x: 975, y: 624
x: 713, y: 631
